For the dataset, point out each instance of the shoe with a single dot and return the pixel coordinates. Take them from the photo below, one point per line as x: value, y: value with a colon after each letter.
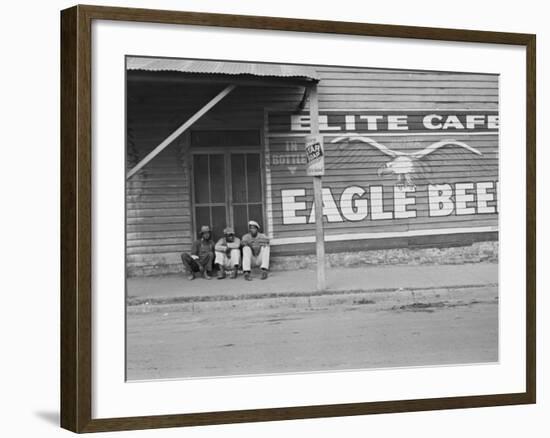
x: 247, y: 276
x: 221, y: 274
x: 206, y: 276
x: 264, y: 274
x: 191, y: 276
x: 233, y: 274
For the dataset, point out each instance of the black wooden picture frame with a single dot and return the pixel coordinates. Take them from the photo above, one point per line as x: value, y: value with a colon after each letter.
x: 76, y: 218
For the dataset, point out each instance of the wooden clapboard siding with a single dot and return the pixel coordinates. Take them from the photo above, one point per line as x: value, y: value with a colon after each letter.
x: 159, y: 199
x: 158, y: 220
x: 349, y: 88
x: 159, y: 211
x: 327, y: 90
x: 356, y: 163
x: 157, y: 202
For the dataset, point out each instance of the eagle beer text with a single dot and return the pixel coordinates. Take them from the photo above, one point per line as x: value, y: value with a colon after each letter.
x: 356, y: 203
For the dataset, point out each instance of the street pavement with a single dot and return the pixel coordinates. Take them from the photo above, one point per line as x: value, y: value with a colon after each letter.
x: 343, y: 331
x: 368, y: 317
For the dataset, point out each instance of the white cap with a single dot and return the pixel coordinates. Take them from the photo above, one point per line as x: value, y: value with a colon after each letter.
x: 254, y: 223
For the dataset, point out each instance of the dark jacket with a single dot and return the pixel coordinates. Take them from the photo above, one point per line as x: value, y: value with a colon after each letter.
x: 202, y: 248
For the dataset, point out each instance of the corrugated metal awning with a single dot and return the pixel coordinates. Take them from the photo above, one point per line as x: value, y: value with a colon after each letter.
x: 198, y: 66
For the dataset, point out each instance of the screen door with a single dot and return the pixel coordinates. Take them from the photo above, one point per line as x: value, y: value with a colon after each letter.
x: 210, y: 192
x: 227, y: 190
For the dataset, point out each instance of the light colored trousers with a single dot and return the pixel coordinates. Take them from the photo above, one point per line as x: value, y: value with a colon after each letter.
x: 261, y: 260
x: 228, y: 262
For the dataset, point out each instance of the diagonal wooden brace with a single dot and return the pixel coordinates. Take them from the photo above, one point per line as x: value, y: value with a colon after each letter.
x: 166, y: 142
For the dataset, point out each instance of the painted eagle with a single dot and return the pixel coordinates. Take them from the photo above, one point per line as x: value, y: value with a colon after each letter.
x: 407, y: 166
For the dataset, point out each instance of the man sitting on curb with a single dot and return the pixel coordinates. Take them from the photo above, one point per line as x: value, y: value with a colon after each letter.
x: 228, y: 253
x: 201, y: 257
x: 255, y: 250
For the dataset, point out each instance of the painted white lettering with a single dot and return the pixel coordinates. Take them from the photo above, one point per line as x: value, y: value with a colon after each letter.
x: 299, y: 122
x: 330, y: 210
x: 372, y: 121
x: 291, y: 206
x: 354, y: 207
x: 472, y: 120
x: 401, y: 201
x: 483, y: 197
x: 377, y: 204
x: 350, y: 123
x: 453, y: 122
x: 428, y: 121
x: 497, y: 190
x: 462, y: 197
x: 493, y: 122
x: 439, y: 198
x: 398, y: 123
x: 291, y: 146
x: 324, y: 126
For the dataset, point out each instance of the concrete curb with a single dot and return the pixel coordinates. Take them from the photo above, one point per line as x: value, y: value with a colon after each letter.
x: 136, y: 301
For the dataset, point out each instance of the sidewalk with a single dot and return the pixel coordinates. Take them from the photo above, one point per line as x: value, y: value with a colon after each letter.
x: 302, y: 282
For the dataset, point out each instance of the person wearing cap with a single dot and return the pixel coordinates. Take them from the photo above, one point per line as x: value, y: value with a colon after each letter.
x: 255, y: 250
x: 228, y: 253
x: 202, y: 255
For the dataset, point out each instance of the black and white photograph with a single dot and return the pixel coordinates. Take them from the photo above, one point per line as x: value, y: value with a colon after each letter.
x: 308, y: 218
x: 275, y: 219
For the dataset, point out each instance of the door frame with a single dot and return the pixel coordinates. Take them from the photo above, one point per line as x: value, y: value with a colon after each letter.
x: 226, y: 152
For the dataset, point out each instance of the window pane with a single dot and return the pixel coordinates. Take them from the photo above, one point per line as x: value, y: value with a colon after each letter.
x: 238, y: 177
x: 240, y: 220
x: 217, y: 178
x: 202, y: 217
x: 218, y: 222
x: 254, y: 177
x: 200, y: 171
x: 255, y: 212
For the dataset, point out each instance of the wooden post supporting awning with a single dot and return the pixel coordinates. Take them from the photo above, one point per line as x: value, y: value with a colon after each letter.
x: 185, y: 126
